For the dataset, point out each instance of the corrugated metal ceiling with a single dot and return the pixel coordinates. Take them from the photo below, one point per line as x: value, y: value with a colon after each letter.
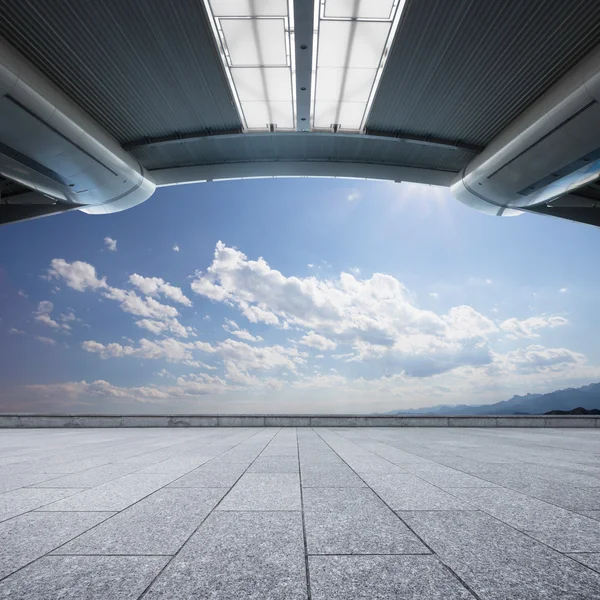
x: 461, y: 70
x: 141, y: 68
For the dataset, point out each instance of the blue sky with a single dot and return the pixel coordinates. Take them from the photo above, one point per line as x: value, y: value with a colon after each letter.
x: 293, y: 295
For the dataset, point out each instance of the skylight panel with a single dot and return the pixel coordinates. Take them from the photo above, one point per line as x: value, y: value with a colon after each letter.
x: 352, y: 41
x: 256, y: 43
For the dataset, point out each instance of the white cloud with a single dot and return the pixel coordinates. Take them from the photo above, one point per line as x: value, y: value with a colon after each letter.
x: 78, y: 275
x: 234, y: 329
x: 244, y: 334
x: 377, y: 316
x: 15, y: 331
x: 528, y: 328
x: 539, y: 359
x: 166, y: 326
x: 110, y: 244
x: 355, y: 271
x: 353, y: 196
x: 169, y: 349
x: 141, y: 307
x: 42, y: 315
x: 563, y: 290
x: 22, y: 294
x: 434, y: 295
x: 175, y: 248
x: 46, y: 340
x: 155, y: 286
x: 320, y: 342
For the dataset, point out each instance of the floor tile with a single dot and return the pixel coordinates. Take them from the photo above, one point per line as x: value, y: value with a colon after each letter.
x: 83, y: 577
x: 239, y: 556
x: 383, y: 578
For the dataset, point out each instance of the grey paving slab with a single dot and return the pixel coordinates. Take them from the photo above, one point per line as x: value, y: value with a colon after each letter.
x: 579, y: 534
x: 114, y: 495
x: 591, y: 560
x: 15, y: 481
x: 17, y: 502
x: 354, y: 521
x: 592, y: 514
x: 159, y: 524
x: 566, y: 496
x: 212, y: 475
x: 407, y: 492
x: 516, y: 509
x: 339, y: 476
x: 239, y: 555
x: 498, y: 562
x: 446, y: 477
x: 32, y: 535
x: 87, y: 478
x: 384, y: 578
x: 83, y: 577
x: 264, y: 491
x: 274, y: 464
x: 372, y: 464
x: 178, y: 465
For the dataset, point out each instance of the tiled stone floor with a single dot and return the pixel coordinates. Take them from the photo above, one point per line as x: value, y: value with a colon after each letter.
x: 327, y: 514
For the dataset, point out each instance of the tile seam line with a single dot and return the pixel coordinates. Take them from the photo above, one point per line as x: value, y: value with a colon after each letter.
x: 563, y: 553
x: 456, y: 576
x: 161, y: 571
x: 107, y: 519
x: 304, y: 539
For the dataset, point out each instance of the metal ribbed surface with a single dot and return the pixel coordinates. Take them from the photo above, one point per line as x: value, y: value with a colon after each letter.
x: 300, y: 146
x: 462, y: 70
x: 141, y: 68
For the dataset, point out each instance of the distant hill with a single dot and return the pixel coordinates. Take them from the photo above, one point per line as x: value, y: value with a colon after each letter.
x: 586, y: 397
x: 575, y: 411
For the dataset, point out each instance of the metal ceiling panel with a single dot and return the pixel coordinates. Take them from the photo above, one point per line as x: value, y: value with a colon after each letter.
x: 463, y: 70
x: 141, y: 68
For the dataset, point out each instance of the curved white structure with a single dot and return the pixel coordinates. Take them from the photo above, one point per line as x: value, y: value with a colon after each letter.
x: 52, y: 147
x: 552, y: 149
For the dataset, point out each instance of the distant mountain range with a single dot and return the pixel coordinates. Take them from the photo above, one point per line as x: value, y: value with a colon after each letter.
x: 587, y: 397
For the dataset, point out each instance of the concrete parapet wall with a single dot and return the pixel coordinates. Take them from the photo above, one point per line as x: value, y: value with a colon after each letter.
x: 75, y: 421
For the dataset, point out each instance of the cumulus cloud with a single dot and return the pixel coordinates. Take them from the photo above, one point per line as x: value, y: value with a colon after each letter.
x: 46, y: 340
x: 243, y: 334
x: 110, y: 244
x: 377, y: 316
x: 536, y: 358
x: 166, y: 326
x: 175, y: 248
x: 320, y: 342
x: 42, y: 315
x: 78, y: 275
x: 155, y: 286
x: 82, y: 276
x: 15, y: 331
x: 131, y: 303
x: 528, y: 328
x: 169, y: 349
